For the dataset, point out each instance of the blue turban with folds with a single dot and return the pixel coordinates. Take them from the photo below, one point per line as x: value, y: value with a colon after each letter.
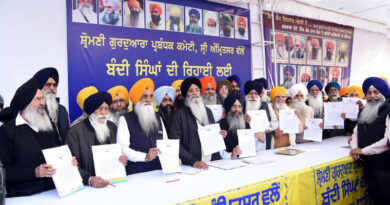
x: 160, y: 93
x: 194, y: 11
x: 332, y: 84
x: 235, y: 78
x: 289, y: 69
x: 314, y: 82
x: 378, y: 83
x: 230, y: 99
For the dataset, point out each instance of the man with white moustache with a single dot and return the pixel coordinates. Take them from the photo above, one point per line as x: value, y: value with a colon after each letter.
x: 185, y: 123
x: 332, y: 89
x: 93, y: 130
x: 22, y: 140
x: 369, y: 139
x: 209, y: 85
x: 315, y: 98
x: 48, y: 80
x: 139, y: 130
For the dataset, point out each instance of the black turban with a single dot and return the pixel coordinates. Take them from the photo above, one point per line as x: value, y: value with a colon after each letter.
x: 186, y: 84
x: 253, y: 85
x: 94, y: 101
x: 263, y: 81
x: 230, y: 99
x: 7, y: 114
x: 43, y: 75
x: 24, y: 95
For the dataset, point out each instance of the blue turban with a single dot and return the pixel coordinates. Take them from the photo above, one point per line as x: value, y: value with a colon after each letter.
x: 262, y: 81
x: 43, y: 75
x: 253, y: 85
x: 94, y: 101
x: 314, y: 82
x: 230, y: 99
x: 194, y: 11
x: 160, y: 93
x: 289, y: 69
x: 235, y: 78
x: 378, y: 83
x: 332, y: 84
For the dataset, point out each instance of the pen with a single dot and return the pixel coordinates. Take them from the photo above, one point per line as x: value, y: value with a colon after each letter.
x: 173, y: 180
x: 112, y: 185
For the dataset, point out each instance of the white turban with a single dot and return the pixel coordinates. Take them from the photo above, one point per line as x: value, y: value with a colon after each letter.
x: 160, y: 93
x: 298, y: 87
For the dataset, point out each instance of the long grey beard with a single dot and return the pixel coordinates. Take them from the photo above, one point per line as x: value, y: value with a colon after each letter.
x: 301, y: 106
x: 100, y: 125
x: 38, y: 119
x: 146, y: 117
x: 209, y: 99
x: 370, y: 112
x: 195, y: 103
x: 52, y: 106
x: 317, y: 103
x: 117, y: 114
x: 252, y: 105
x: 236, y: 121
x: 281, y: 106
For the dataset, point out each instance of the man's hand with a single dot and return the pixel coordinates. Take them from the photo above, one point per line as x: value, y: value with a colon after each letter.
x: 278, y: 133
x: 123, y: 160
x: 355, y: 153
x: 360, y: 103
x: 152, y: 154
x: 322, y: 126
x: 260, y: 136
x: 247, y: 118
x: 297, y: 113
x: 200, y: 165
x: 44, y: 170
x: 223, y: 133
x: 98, y: 182
x: 349, y: 140
x: 236, y: 152
x: 74, y: 162
x: 343, y: 115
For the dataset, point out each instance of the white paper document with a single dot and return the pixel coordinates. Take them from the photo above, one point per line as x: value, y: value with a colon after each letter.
x: 190, y: 170
x: 107, y: 164
x: 169, y: 157
x: 217, y: 111
x: 350, y: 108
x: 332, y: 114
x: 246, y: 141
x: 210, y: 139
x: 313, y: 131
x: 226, y: 164
x: 259, y: 120
x: 67, y: 178
x: 257, y: 160
x: 288, y: 121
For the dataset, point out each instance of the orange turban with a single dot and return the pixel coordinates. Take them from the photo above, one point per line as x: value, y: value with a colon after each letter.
x: 241, y: 19
x: 139, y: 88
x: 176, y: 84
x: 344, y: 91
x: 205, y: 81
x: 275, y: 91
x: 356, y: 89
x: 330, y: 45
x: 121, y: 91
x: 157, y: 7
x: 84, y: 94
x: 134, y: 3
x: 280, y: 37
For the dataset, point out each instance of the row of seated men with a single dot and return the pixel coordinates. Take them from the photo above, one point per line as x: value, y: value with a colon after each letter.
x: 35, y: 120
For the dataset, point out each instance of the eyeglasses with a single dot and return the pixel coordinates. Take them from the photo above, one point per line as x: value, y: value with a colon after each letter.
x: 237, y: 106
x: 51, y: 84
x: 118, y: 101
x: 192, y: 90
x: 101, y: 109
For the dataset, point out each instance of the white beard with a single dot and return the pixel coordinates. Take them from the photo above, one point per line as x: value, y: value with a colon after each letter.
x: 146, y: 117
x: 209, y: 100
x: 236, y: 121
x: 317, y: 103
x: 38, y: 119
x: 52, y: 105
x: 252, y: 105
x: 301, y: 106
x: 195, y: 103
x: 100, y: 125
x: 281, y: 106
x: 370, y: 112
x: 222, y: 98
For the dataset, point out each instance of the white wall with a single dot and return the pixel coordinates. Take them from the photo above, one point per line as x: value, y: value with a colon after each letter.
x: 33, y: 36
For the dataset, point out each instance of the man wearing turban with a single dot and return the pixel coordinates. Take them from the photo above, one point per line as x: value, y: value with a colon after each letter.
x: 252, y: 90
x: 299, y: 48
x: 298, y: 93
x: 84, y: 13
x: 179, y: 99
x: 48, y: 81
x: 329, y: 45
x: 316, y: 49
x: 224, y: 88
x: 281, y: 51
x: 288, y: 73
x: 174, y: 23
x: 241, y: 28
x: 369, y: 139
x: 226, y: 26
x: 81, y: 96
x: 210, y: 23
x: 208, y: 90
x: 155, y: 12
x: 236, y: 83
x: 263, y: 95
x: 112, y: 13
x: 120, y: 102
x: 278, y: 96
x: 315, y: 99
x: 194, y: 26
x: 165, y: 96
x: 22, y: 140
x: 139, y: 130
x: 93, y: 130
x: 332, y: 89
x: 342, y: 55
x: 134, y: 15
x: 185, y: 123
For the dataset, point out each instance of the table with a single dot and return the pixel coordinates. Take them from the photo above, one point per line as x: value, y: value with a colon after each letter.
x: 152, y: 187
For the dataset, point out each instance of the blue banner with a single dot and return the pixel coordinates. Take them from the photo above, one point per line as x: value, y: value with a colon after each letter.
x: 115, y: 42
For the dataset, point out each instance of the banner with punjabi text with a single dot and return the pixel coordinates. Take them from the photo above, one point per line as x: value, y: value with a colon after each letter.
x: 118, y: 42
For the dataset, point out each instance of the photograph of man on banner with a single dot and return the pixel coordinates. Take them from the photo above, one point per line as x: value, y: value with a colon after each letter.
x: 210, y: 23
x: 155, y: 16
x: 112, y: 13
x: 84, y: 11
x: 194, y: 20
x: 241, y: 27
x: 226, y: 27
x: 133, y: 13
x: 175, y: 17
x: 287, y: 75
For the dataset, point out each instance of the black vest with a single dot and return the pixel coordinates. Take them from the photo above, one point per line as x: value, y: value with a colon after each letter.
x: 371, y: 133
x: 142, y: 143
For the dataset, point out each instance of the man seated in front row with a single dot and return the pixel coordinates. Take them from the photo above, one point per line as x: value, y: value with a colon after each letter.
x: 94, y: 130
x: 22, y: 140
